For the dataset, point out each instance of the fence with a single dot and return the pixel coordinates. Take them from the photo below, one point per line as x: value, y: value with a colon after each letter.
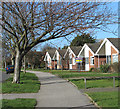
x: 96, y: 78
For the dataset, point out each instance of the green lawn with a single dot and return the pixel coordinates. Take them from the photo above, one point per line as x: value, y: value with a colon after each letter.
x: 29, y: 84
x: 94, y: 83
x: 73, y: 74
x: 105, y: 99
x: 19, y: 104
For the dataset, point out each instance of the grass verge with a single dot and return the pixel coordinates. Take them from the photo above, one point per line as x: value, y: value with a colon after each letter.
x: 73, y: 74
x: 105, y: 99
x: 28, y: 84
x: 18, y: 103
x: 101, y: 83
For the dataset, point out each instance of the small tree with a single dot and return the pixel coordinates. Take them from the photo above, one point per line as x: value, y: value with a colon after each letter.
x: 80, y: 40
x: 34, y: 58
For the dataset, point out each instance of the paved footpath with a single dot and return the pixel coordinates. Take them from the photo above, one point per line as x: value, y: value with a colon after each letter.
x: 54, y: 92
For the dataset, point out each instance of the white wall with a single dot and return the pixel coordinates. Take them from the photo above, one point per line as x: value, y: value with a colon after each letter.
x: 48, y: 58
x: 86, y: 52
x: 108, y: 48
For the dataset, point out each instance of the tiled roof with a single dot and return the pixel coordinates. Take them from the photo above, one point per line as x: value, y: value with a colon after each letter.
x: 76, y: 49
x: 115, y: 42
x: 67, y: 56
x: 62, y: 52
x: 94, y: 46
x: 51, y: 52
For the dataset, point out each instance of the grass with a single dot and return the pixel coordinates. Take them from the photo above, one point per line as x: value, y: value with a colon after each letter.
x: 29, y: 84
x: 19, y: 103
x: 94, y: 83
x: 105, y: 99
x: 73, y: 75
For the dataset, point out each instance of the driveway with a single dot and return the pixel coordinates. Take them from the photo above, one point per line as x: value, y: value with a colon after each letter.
x: 57, y: 92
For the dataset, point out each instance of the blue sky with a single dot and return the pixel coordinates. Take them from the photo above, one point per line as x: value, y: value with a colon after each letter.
x: 61, y: 42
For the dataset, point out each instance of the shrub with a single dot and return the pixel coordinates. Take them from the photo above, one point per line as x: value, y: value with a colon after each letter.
x: 104, y: 68
x: 91, y: 69
x: 115, y: 67
x: 94, y: 70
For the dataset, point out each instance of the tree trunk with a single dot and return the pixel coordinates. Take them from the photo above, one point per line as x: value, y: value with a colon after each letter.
x: 32, y: 66
x: 13, y: 60
x: 5, y: 63
x: 18, y: 63
x: 24, y: 65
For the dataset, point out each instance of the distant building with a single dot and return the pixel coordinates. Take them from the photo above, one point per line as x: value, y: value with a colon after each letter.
x: 92, y: 55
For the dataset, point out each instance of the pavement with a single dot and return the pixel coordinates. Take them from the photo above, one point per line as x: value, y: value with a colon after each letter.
x: 55, y: 92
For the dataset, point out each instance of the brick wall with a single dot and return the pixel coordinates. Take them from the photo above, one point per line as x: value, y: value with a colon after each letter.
x: 90, y: 54
x: 54, y: 63
x: 75, y: 67
x: 96, y: 62
x: 113, y: 51
x: 119, y: 57
x: 102, y: 61
x: 65, y: 64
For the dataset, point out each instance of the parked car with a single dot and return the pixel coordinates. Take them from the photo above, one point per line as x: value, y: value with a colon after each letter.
x: 9, y: 69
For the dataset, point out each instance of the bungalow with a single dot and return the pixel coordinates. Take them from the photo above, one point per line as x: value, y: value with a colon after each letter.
x: 48, y: 58
x: 58, y: 59
x: 72, y: 53
x: 108, y: 52
x: 87, y: 54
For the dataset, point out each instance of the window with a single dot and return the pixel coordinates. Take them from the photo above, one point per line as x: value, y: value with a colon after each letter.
x: 73, y: 61
x: 70, y: 60
x: 86, y: 60
x: 115, y: 58
x: 108, y: 59
x: 91, y: 60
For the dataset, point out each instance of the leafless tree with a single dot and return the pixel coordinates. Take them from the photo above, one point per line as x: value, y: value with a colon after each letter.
x: 28, y: 23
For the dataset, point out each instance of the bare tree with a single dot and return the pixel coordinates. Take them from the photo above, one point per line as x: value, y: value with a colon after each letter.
x: 28, y: 23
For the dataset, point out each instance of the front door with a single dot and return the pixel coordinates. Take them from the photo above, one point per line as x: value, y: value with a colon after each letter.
x: 83, y: 64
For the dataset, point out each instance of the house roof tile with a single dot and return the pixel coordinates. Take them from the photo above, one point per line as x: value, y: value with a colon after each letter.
x: 62, y: 52
x: 115, y: 42
x: 76, y: 49
x: 94, y: 46
x: 51, y: 52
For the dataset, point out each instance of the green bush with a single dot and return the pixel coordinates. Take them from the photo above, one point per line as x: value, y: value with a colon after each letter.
x: 104, y: 68
x: 115, y: 67
x: 94, y: 70
x: 91, y: 69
